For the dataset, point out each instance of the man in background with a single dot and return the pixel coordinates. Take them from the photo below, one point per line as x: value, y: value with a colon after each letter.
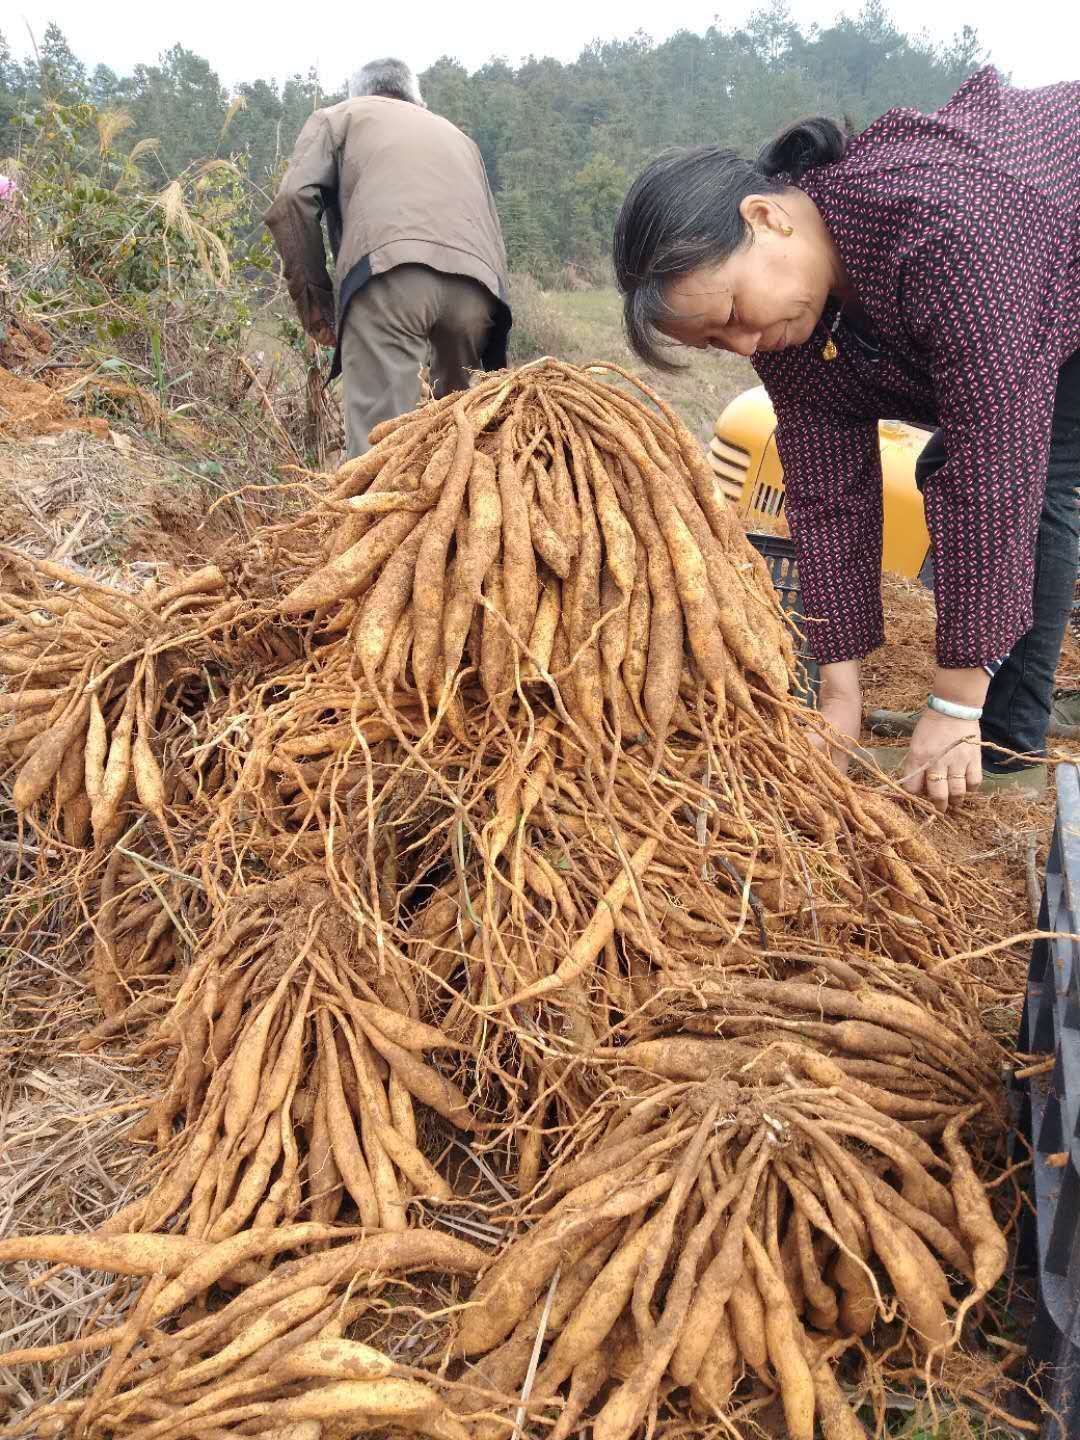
x: 419, y: 261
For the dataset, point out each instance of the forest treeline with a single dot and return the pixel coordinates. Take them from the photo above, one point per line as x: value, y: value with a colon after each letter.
x: 561, y: 140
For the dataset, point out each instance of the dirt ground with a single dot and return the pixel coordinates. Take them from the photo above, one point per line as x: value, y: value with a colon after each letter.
x: 27, y: 407
x: 899, y: 675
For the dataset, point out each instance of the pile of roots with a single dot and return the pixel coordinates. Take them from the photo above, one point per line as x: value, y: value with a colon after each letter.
x: 463, y: 864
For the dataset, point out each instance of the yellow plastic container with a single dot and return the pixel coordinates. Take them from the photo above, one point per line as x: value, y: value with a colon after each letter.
x: 744, y: 459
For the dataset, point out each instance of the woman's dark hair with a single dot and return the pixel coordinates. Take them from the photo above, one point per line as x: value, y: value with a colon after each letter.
x: 682, y: 212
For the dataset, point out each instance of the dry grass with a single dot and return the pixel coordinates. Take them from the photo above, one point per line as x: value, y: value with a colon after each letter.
x: 64, y: 1167
x: 64, y: 1162
x: 125, y: 502
x: 97, y: 503
x: 585, y: 325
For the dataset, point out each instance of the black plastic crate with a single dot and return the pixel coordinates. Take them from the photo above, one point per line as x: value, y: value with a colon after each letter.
x: 1049, y: 1118
x: 779, y: 555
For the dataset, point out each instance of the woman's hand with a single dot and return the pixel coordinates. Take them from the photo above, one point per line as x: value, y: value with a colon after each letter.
x: 944, y: 760
x: 840, y: 703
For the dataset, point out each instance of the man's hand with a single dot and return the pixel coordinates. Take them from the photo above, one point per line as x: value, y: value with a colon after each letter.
x: 840, y: 703
x: 322, y: 332
x: 944, y: 760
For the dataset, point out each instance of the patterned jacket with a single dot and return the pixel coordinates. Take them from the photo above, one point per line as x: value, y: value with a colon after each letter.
x: 960, y: 231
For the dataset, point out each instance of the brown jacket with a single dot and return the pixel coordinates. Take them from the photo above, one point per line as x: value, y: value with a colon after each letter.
x: 398, y: 186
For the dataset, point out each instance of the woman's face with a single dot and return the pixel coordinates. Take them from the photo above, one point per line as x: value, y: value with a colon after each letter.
x: 766, y: 296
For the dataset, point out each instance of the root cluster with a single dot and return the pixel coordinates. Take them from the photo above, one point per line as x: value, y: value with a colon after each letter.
x: 469, y: 812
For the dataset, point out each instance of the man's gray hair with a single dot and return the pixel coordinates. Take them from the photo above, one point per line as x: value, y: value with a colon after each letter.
x: 390, y: 78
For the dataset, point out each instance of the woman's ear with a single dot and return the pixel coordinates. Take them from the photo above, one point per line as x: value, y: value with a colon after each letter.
x: 764, y: 214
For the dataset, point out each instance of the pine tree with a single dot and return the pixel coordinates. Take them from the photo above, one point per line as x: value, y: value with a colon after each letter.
x: 560, y: 141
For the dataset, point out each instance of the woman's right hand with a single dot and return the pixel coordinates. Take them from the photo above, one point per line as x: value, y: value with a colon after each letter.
x: 840, y: 703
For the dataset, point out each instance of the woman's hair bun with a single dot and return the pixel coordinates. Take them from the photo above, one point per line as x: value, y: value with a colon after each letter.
x: 802, y: 147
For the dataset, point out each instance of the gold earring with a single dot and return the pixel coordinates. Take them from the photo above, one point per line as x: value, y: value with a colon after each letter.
x: 787, y: 230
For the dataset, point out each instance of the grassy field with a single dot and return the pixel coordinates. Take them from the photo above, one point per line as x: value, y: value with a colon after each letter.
x: 586, y: 325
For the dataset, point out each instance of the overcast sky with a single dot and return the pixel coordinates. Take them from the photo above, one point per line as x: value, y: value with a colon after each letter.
x: 1038, y: 40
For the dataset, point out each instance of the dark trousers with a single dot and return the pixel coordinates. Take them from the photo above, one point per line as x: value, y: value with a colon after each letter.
x: 1017, y: 709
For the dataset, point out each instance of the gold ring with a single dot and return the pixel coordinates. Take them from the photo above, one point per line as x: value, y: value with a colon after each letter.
x: 935, y: 777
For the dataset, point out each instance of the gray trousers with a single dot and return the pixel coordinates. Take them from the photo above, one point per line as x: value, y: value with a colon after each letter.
x: 397, y: 323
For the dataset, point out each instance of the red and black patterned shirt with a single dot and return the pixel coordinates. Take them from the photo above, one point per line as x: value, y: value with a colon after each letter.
x: 960, y: 232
